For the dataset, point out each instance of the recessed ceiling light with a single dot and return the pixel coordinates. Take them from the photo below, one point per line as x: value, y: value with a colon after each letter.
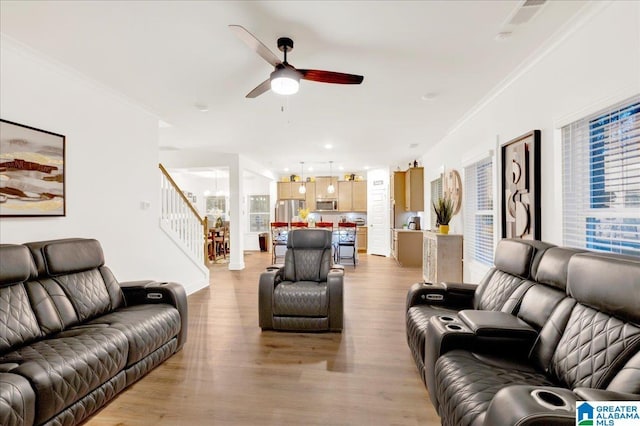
x: 310, y: 169
x: 328, y: 146
x: 503, y: 35
x: 286, y: 169
x: 202, y: 107
x: 341, y: 168
x: 413, y: 145
x: 163, y: 124
x: 366, y: 167
x: 429, y: 96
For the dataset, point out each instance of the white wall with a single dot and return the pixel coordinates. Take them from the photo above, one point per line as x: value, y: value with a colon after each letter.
x: 111, y: 168
x: 595, y: 64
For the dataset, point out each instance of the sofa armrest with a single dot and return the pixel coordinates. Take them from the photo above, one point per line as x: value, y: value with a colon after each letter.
x: 590, y: 394
x: 17, y: 400
x: 524, y: 405
x: 145, y: 292
x: 335, y: 284
x: 266, y: 286
x: 131, y: 284
x: 423, y: 293
x: 497, y: 324
x: 463, y: 288
x: 275, y: 266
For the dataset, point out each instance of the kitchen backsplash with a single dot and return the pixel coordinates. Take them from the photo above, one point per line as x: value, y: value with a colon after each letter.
x: 336, y: 217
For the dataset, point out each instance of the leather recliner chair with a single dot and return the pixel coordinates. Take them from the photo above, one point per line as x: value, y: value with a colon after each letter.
x: 306, y: 293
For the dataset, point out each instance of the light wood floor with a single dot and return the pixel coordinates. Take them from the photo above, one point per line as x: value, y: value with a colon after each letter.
x: 231, y: 373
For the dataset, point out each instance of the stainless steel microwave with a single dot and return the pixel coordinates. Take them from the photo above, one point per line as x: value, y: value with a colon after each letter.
x: 326, y: 205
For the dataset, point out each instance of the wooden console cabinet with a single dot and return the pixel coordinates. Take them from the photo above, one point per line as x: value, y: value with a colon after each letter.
x: 442, y: 257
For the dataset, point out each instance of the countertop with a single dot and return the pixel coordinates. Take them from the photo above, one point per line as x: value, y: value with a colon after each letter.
x: 407, y: 230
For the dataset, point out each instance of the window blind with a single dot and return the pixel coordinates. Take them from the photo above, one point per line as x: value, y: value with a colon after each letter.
x: 478, y: 211
x: 601, y: 180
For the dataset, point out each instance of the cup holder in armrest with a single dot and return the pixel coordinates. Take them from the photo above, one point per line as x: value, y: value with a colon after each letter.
x: 549, y: 400
x: 454, y: 327
x: 445, y: 319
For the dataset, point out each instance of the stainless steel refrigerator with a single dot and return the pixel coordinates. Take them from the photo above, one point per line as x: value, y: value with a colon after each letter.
x: 287, y: 209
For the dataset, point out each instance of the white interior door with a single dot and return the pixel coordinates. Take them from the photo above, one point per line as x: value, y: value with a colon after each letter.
x: 378, y: 212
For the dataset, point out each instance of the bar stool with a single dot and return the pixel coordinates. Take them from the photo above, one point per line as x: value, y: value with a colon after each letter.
x: 279, y: 232
x: 329, y: 226
x: 347, y: 238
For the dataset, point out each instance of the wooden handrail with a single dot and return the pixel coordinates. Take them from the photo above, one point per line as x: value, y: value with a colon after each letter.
x: 201, y: 220
x: 184, y: 197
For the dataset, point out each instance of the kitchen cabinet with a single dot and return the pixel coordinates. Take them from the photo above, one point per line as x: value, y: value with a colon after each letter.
x: 322, y: 183
x: 397, y: 199
x: 414, y: 189
x: 406, y: 247
x: 442, y: 257
x: 310, y: 196
x: 359, y: 195
x: 361, y: 235
x: 344, y: 196
x: 290, y: 191
x: 352, y: 196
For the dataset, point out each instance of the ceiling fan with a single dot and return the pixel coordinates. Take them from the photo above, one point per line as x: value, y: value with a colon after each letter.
x: 285, y: 79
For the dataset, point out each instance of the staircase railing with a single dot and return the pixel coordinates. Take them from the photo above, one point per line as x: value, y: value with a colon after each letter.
x: 182, y: 219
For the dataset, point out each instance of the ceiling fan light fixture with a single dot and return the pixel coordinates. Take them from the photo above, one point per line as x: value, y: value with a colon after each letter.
x: 285, y: 81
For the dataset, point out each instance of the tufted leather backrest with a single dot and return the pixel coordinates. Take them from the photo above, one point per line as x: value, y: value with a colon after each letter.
x: 18, y: 324
x: 541, y: 298
x: 554, y: 266
x: 308, y: 256
x: 519, y: 257
x: 602, y: 332
x: 493, y: 292
x: 71, y: 284
x: 515, y: 262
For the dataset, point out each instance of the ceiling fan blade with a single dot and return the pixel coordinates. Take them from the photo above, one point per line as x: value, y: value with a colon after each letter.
x: 260, y: 89
x: 331, y: 77
x: 255, y: 44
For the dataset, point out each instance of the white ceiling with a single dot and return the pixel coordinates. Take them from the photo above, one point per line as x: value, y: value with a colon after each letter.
x: 171, y: 56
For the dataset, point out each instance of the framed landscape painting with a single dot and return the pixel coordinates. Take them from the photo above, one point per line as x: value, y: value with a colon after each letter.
x: 31, y: 171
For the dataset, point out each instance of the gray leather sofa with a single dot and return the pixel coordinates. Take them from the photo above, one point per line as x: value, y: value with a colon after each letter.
x: 71, y: 336
x: 501, y: 289
x: 306, y: 293
x: 575, y: 335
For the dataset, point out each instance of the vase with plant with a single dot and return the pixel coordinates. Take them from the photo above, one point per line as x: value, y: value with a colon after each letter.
x: 444, y: 211
x: 303, y: 213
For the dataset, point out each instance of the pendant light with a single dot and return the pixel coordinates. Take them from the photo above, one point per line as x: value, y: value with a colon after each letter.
x: 331, y: 189
x: 303, y: 187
